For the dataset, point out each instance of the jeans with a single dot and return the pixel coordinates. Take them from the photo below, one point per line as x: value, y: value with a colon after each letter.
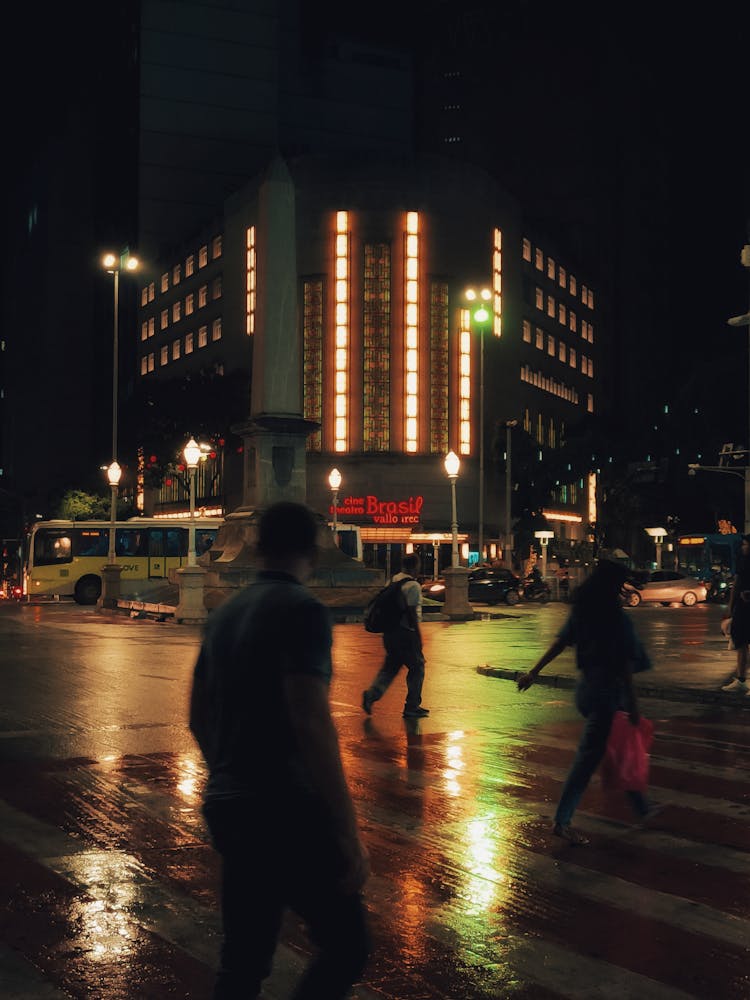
x: 598, y: 708
x: 295, y: 867
x: 401, y: 649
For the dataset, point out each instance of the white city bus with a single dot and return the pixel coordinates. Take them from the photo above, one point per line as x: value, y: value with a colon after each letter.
x: 65, y: 558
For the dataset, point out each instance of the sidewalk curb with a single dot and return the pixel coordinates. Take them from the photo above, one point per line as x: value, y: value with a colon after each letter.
x: 645, y: 689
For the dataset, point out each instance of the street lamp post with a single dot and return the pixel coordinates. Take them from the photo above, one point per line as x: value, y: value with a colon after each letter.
x: 658, y: 535
x: 544, y: 537
x: 334, y: 481
x: 744, y: 320
x: 114, y: 472
x: 452, y: 465
x: 744, y: 475
x: 481, y: 316
x: 113, y: 264
x: 192, y: 455
x: 508, y: 547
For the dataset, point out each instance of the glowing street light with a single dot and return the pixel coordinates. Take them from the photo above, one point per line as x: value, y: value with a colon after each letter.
x: 452, y: 465
x: 334, y: 481
x: 192, y: 455
x: 658, y: 535
x: 481, y: 317
x: 544, y: 537
x: 114, y: 472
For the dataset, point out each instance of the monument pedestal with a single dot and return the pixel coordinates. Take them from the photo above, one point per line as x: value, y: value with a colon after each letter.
x: 110, y: 594
x: 456, y: 606
x: 191, y: 608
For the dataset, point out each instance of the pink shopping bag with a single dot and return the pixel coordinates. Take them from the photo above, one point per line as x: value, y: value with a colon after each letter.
x: 626, y: 761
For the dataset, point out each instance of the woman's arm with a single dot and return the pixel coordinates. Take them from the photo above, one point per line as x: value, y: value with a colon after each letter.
x: 526, y: 680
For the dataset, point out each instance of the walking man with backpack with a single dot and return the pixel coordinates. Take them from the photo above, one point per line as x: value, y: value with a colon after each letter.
x: 403, y: 644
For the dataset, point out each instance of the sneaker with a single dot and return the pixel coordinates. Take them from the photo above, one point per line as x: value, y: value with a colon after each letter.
x: 416, y: 713
x: 736, y: 685
x: 367, y: 700
x: 569, y: 833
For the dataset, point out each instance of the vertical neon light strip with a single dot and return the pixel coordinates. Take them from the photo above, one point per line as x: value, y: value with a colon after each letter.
x: 411, y: 331
x: 250, y: 282
x: 464, y: 382
x: 592, y: 498
x: 497, y: 284
x: 341, y: 364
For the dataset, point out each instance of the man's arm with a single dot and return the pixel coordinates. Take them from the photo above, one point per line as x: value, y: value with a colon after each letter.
x: 307, y: 698
x: 526, y: 680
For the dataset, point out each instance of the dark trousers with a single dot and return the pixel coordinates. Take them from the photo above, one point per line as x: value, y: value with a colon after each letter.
x: 599, y: 711
x: 262, y: 876
x: 401, y: 650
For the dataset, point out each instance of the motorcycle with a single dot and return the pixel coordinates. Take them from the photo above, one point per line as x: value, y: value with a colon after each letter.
x: 719, y: 589
x: 535, y: 589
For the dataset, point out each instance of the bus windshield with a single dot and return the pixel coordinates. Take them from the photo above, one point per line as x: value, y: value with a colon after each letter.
x: 705, y: 556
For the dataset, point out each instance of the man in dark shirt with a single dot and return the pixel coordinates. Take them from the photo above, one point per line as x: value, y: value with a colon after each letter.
x: 277, y: 803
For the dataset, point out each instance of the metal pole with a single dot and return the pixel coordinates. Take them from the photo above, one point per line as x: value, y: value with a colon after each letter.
x: 454, y: 524
x: 508, y: 538
x: 115, y: 362
x: 481, y: 444
x: 112, y: 519
x: 191, y: 531
x: 335, y: 521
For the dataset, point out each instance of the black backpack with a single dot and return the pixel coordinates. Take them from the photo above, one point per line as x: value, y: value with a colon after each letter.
x: 383, y: 613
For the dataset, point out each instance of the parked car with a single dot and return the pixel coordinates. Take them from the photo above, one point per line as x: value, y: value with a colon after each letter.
x: 665, y: 586
x: 486, y: 586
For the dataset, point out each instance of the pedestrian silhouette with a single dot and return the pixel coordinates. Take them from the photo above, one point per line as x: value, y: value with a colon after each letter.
x: 608, y: 652
x: 276, y: 802
x: 403, y: 646
x: 739, y: 614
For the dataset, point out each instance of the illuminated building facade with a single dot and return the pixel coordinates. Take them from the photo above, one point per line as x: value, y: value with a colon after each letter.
x: 390, y: 358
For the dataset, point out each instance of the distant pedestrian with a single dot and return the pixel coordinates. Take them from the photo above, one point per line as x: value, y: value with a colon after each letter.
x: 277, y: 803
x: 608, y: 652
x: 403, y: 646
x: 739, y: 612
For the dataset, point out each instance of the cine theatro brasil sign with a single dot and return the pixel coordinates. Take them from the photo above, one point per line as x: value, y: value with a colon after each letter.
x: 381, y: 511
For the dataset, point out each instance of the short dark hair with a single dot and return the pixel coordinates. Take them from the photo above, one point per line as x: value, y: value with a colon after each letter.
x: 410, y: 562
x: 287, y: 529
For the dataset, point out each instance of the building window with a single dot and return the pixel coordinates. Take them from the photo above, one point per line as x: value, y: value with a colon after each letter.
x: 202, y: 296
x: 189, y: 343
x: 439, y: 368
x: 312, y: 365
x: 562, y: 277
x: 591, y: 333
x: 164, y: 319
x: 562, y: 351
x: 176, y: 274
x: 165, y: 281
x: 376, y: 347
x: 551, y: 434
x: 572, y: 359
x: 202, y: 336
x: 216, y: 329
x: 572, y: 321
x: 342, y: 326
x: 144, y: 365
x: 539, y: 429
x: 216, y: 288
x: 250, y: 281
x: 189, y: 304
x: 151, y: 292
x: 551, y: 306
x: 562, y: 314
x: 526, y: 332
x: 527, y: 421
x: 550, y: 268
x: 151, y: 326
x: 527, y: 250
x: 591, y: 299
x: 411, y: 332
x: 216, y: 247
x: 151, y: 362
x: 176, y: 311
x: 539, y: 339
x: 584, y: 294
x: 144, y: 295
x: 164, y: 355
x: 497, y: 283
x: 144, y: 329
x: 189, y: 266
x: 464, y: 382
x: 539, y: 297
x: 175, y: 350
x: 203, y: 256
x: 539, y: 259
x: 590, y: 403
x: 572, y: 285
x: 550, y: 345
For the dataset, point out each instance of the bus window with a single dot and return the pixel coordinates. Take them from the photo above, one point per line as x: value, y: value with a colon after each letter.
x: 176, y: 541
x: 90, y: 542
x: 129, y: 542
x: 156, y: 542
x: 52, y: 546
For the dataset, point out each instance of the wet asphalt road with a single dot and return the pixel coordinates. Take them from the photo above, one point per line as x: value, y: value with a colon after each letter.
x: 109, y: 885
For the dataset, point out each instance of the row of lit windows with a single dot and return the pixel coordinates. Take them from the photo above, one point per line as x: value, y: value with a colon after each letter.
x: 564, y: 316
x: 497, y: 283
x: 548, y: 384
x: 180, y: 346
x: 176, y: 310
x: 250, y: 276
x: 148, y: 292
x: 464, y: 382
x: 341, y: 356
x: 556, y: 272
x: 411, y: 330
x: 564, y: 353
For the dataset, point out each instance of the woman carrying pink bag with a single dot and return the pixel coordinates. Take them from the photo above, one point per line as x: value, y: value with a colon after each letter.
x: 608, y: 653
